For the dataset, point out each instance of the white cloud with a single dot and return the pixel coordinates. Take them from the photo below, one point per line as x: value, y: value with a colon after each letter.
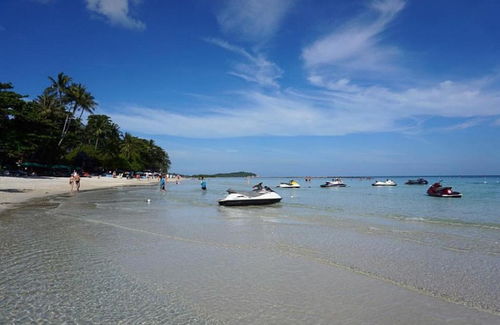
x: 325, y: 113
x: 253, y: 20
x: 356, y: 45
x: 256, y: 69
x: 117, y: 12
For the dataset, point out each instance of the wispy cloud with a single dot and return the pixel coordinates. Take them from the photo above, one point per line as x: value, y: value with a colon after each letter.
x: 254, y: 20
x: 357, y: 45
x: 116, y: 12
x: 256, y: 68
x: 325, y: 113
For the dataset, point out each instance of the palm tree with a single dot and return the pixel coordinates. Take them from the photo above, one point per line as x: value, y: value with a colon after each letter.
x: 128, y: 148
x: 60, y: 86
x: 80, y: 99
x: 101, y: 127
x: 48, y: 104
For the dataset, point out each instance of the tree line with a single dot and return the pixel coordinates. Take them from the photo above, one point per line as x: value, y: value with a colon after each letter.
x: 49, y: 130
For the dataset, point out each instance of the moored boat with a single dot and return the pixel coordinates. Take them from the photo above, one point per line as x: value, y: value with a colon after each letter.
x: 437, y: 190
x: 291, y: 184
x: 419, y: 181
x: 336, y: 182
x: 260, y: 195
x: 387, y: 182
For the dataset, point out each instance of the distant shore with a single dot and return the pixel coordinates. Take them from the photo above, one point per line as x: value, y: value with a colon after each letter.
x: 16, y: 190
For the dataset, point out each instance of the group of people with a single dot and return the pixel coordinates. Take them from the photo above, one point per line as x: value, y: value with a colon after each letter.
x: 163, y: 183
x: 74, y: 181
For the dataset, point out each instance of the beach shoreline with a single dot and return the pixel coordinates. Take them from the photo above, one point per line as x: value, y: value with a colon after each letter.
x: 15, y: 191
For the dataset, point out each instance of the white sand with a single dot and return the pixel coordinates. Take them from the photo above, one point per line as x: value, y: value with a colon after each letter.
x: 15, y: 190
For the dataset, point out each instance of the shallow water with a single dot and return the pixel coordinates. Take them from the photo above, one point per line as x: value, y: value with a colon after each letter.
x: 358, y: 254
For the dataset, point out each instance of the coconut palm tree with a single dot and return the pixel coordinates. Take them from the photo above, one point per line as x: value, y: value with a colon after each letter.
x: 79, y: 99
x: 49, y: 104
x: 100, y: 127
x: 60, y: 86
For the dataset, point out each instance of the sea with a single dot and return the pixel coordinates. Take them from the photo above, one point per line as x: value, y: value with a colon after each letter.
x: 353, y: 255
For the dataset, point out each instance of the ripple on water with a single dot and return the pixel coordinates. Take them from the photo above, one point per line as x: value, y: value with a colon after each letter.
x: 51, y: 274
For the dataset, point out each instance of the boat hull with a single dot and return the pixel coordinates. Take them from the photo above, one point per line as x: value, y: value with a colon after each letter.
x: 245, y: 202
x: 452, y: 195
x: 327, y: 185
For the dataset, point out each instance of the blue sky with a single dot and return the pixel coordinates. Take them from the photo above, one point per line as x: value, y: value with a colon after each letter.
x: 298, y: 87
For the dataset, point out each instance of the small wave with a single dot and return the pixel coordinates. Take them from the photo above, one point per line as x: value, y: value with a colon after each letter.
x: 449, y: 222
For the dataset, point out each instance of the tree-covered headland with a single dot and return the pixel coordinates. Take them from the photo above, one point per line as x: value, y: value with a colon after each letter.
x: 49, y: 131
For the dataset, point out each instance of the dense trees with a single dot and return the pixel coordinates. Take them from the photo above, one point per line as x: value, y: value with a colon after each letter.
x: 49, y: 130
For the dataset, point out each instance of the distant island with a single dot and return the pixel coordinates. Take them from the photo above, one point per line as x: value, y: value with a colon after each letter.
x: 234, y: 174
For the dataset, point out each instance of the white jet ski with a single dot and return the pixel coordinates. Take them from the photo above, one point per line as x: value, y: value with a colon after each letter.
x: 388, y: 182
x: 260, y: 195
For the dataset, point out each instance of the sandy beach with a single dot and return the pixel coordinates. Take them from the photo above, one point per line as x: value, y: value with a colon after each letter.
x: 16, y: 190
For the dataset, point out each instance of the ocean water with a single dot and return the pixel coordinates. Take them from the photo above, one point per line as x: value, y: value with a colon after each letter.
x: 353, y: 255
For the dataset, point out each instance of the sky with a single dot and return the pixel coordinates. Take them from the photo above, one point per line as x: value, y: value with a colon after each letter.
x: 275, y: 87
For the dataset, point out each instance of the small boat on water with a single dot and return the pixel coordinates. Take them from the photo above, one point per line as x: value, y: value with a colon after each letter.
x: 291, y: 184
x: 419, y: 181
x: 336, y: 182
x: 437, y: 190
x: 387, y: 182
x: 260, y: 195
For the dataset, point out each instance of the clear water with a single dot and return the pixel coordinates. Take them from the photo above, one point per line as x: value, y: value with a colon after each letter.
x: 360, y: 254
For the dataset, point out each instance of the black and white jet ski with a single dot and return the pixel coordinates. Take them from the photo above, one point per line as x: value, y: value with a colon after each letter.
x: 260, y: 195
x: 337, y: 182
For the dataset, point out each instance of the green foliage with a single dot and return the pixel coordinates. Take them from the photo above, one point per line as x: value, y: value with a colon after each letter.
x: 33, y: 131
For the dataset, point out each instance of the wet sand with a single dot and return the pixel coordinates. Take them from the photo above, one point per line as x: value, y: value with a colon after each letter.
x: 16, y: 190
x: 139, y: 255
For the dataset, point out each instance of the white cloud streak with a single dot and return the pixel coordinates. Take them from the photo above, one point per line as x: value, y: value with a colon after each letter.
x: 327, y: 113
x: 257, y: 68
x: 357, y: 45
x: 116, y: 12
x: 254, y: 20
x: 341, y: 107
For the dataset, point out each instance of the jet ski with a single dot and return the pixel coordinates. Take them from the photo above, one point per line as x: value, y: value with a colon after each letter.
x: 291, y: 184
x: 419, y: 181
x: 387, y: 182
x: 336, y: 182
x: 259, y: 195
x: 439, y: 191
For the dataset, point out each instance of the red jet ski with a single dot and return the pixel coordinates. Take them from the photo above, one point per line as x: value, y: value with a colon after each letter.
x: 439, y: 191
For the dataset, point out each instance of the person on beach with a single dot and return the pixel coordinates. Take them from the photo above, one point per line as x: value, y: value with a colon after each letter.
x: 203, y: 184
x: 162, y: 183
x: 71, y: 182
x: 77, y: 181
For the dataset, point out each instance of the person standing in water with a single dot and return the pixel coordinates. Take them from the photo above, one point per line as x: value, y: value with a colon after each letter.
x: 203, y: 184
x: 162, y: 183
